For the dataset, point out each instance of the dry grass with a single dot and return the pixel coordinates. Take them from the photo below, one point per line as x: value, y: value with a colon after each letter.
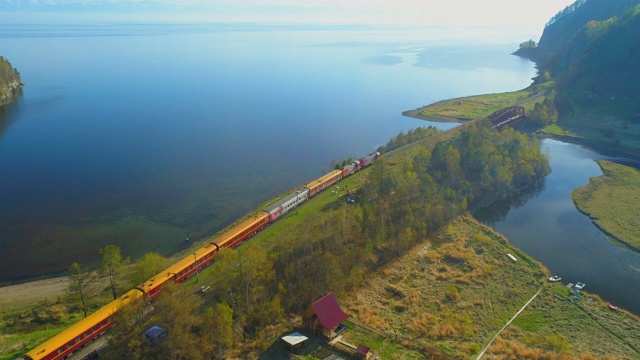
x: 455, y: 292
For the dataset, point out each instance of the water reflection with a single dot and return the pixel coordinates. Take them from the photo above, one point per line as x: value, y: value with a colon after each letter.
x: 7, y: 115
x: 498, y: 210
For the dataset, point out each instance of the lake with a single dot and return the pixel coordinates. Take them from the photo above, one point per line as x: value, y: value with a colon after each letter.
x: 142, y: 135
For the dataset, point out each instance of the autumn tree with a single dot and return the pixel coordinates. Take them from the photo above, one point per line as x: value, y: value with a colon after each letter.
x: 217, y: 328
x: 126, y: 338
x: 146, y: 267
x: 112, y: 265
x: 249, y: 279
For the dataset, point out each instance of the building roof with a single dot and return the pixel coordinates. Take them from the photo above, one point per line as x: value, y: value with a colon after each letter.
x: 294, y: 338
x: 329, y: 312
x: 363, y: 349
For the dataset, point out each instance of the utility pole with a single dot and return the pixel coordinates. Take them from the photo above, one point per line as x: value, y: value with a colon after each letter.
x: 197, y: 272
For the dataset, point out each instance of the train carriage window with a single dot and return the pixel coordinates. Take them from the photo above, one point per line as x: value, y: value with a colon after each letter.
x: 87, y: 333
x: 95, y: 328
x: 60, y: 351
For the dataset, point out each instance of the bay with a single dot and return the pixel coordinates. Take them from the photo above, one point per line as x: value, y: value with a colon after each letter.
x: 546, y: 225
x: 141, y: 135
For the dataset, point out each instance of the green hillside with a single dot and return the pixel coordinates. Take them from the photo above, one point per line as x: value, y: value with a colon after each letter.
x: 591, y: 49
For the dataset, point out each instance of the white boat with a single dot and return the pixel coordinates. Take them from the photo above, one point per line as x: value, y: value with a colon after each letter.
x: 555, y: 278
x: 579, y: 286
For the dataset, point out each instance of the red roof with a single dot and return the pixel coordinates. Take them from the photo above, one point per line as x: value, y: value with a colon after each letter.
x: 328, y: 311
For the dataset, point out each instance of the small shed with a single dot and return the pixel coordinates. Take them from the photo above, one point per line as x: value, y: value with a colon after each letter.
x: 294, y: 340
x: 363, y: 352
x: 155, y: 334
x: 324, y: 316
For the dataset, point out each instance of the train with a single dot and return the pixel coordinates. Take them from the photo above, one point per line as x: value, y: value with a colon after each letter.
x: 79, y: 334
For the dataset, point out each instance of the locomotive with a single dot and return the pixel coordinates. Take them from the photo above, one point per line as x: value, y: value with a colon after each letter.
x: 96, y: 324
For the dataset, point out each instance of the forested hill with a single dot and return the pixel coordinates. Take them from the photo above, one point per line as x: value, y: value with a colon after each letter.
x: 564, y: 26
x: 10, y: 83
x: 592, y: 45
x: 603, y: 58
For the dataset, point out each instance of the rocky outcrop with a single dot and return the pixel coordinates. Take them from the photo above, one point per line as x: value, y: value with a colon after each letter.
x: 11, y: 92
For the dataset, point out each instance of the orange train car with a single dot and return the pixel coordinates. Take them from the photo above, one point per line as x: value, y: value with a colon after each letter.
x: 324, y: 182
x: 241, y: 232
x: 202, y: 257
x: 179, y: 271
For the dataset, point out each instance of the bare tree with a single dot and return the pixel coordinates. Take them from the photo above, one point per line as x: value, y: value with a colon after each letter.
x: 79, y: 282
x: 112, y: 265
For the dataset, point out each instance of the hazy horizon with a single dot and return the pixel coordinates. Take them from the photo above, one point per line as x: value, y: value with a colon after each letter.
x: 524, y: 13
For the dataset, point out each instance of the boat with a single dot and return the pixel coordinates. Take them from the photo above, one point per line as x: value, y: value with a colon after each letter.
x: 579, y: 286
x: 613, y: 307
x: 555, y: 278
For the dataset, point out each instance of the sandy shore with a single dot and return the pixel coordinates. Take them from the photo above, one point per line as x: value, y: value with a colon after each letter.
x: 31, y: 293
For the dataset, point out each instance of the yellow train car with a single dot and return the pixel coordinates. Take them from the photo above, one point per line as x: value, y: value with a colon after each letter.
x: 80, y: 333
x: 241, y: 232
x: 179, y: 271
x: 324, y: 182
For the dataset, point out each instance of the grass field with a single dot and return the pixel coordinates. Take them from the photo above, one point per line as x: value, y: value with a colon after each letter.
x: 473, y: 107
x: 612, y: 201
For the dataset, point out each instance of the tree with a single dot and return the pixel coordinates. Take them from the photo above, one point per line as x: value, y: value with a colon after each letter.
x: 146, y: 267
x: 112, y: 265
x: 529, y: 44
x: 178, y: 311
x: 79, y: 280
x: 218, y: 330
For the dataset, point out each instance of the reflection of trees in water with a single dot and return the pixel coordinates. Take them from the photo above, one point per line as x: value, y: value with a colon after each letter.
x: 498, y: 210
x: 6, y: 116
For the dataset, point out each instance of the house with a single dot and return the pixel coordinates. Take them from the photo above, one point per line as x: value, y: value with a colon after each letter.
x: 324, y: 317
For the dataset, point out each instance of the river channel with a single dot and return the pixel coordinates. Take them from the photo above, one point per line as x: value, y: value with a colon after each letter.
x: 546, y: 225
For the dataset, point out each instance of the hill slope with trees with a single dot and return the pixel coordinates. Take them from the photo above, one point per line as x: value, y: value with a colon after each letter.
x: 10, y: 83
x: 591, y: 49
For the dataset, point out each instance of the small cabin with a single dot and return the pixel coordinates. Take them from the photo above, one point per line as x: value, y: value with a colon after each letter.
x: 324, y: 317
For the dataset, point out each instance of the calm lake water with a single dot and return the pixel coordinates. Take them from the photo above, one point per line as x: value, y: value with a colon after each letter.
x: 547, y: 226
x: 141, y: 135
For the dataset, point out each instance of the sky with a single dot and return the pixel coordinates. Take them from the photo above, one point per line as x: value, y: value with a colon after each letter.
x: 440, y: 12
x: 430, y: 12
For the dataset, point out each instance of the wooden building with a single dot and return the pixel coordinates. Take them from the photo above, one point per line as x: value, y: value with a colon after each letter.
x: 324, y: 317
